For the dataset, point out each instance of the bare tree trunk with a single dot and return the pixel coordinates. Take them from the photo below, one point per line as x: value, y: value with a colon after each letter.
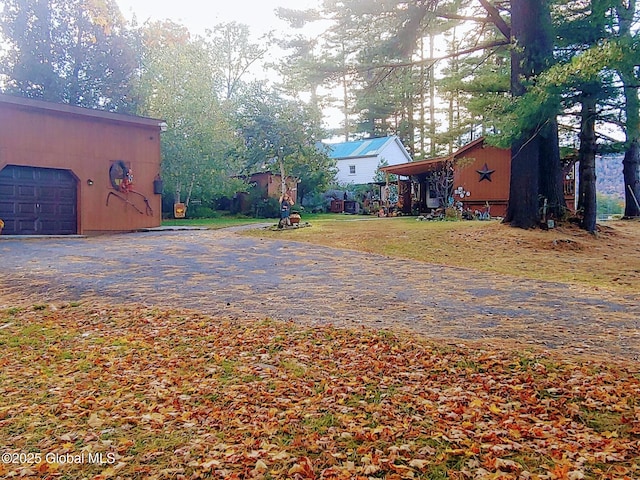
x: 283, y: 177
x: 551, y: 186
x: 189, y: 190
x: 523, y: 207
x: 345, y: 95
x: 631, y: 162
x: 74, y: 87
x: 587, y: 160
x: 432, y: 101
x: 631, y: 174
x: 626, y: 12
x: 423, y: 83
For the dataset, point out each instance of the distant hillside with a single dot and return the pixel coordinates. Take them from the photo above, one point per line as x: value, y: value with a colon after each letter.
x: 609, y: 179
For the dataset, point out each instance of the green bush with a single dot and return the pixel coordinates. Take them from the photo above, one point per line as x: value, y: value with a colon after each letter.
x: 266, y: 208
x: 315, y: 203
x: 200, y: 211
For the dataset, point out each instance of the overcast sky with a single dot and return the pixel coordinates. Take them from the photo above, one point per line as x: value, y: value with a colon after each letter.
x: 198, y: 15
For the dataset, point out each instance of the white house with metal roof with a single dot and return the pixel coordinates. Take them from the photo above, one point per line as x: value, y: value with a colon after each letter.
x: 358, y: 161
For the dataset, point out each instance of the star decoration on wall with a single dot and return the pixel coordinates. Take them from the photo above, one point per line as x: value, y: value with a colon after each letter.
x: 485, y: 173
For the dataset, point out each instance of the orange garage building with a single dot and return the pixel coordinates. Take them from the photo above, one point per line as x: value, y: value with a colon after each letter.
x: 71, y: 170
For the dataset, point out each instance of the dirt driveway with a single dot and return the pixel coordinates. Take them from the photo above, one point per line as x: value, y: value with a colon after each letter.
x: 221, y: 272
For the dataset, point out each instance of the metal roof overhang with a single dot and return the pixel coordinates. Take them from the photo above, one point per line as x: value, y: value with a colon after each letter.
x: 415, y: 168
x: 429, y: 165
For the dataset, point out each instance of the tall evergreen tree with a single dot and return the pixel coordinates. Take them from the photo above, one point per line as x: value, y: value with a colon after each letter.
x: 362, y: 38
x: 582, y: 30
x: 536, y: 171
x: 626, y: 11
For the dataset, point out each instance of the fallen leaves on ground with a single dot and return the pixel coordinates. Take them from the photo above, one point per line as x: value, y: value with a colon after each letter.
x: 89, y: 391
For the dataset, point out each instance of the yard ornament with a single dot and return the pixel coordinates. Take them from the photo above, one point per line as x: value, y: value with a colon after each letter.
x: 485, y: 173
x: 121, y: 178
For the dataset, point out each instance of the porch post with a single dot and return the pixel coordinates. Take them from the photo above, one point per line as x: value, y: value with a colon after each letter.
x: 386, y: 202
x: 424, y: 189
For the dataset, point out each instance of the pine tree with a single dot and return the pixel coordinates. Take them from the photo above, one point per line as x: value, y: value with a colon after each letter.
x: 628, y: 71
x: 536, y: 172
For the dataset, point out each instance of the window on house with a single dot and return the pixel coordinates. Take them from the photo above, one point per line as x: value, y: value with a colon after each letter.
x: 352, y: 169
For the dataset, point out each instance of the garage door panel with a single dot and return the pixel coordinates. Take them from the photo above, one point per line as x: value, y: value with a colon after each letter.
x: 54, y: 227
x: 28, y: 191
x: 38, y: 200
x: 27, y: 227
x: 23, y: 174
x: 48, y: 227
x: 67, y: 210
x: 56, y: 210
x: 6, y: 208
x: 47, y: 193
x: 45, y: 175
x: 48, y: 209
x: 23, y: 208
x: 66, y: 181
x: 7, y: 191
x: 68, y: 195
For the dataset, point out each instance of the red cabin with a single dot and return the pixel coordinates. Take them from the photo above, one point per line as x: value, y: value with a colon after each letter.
x: 478, y: 174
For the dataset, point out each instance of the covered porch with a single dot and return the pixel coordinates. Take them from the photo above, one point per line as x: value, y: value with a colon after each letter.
x: 474, y: 179
x: 424, y: 186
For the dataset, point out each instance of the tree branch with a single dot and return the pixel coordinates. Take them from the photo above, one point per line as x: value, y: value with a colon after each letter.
x: 453, y: 16
x: 433, y: 60
x: 499, y: 22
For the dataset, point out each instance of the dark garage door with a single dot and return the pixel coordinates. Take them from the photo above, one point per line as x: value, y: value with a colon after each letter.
x: 38, y: 201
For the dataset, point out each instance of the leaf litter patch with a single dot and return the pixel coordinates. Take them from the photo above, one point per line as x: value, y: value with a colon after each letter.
x: 179, y: 394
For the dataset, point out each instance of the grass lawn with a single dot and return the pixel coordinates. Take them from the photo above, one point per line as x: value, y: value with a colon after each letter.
x: 607, y: 260
x: 214, y: 223
x: 224, y: 221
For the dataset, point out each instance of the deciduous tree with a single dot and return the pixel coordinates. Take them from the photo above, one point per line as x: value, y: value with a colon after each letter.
x: 177, y: 80
x: 232, y: 55
x: 280, y: 134
x: 68, y: 51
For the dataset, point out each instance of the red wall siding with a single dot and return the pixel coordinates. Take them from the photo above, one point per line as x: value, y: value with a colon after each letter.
x: 496, y: 191
x: 272, y: 184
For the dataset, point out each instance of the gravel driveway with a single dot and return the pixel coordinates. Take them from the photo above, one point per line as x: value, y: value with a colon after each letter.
x: 221, y: 272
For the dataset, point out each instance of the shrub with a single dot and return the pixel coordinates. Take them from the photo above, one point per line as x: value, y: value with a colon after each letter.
x: 200, y: 211
x: 266, y: 208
